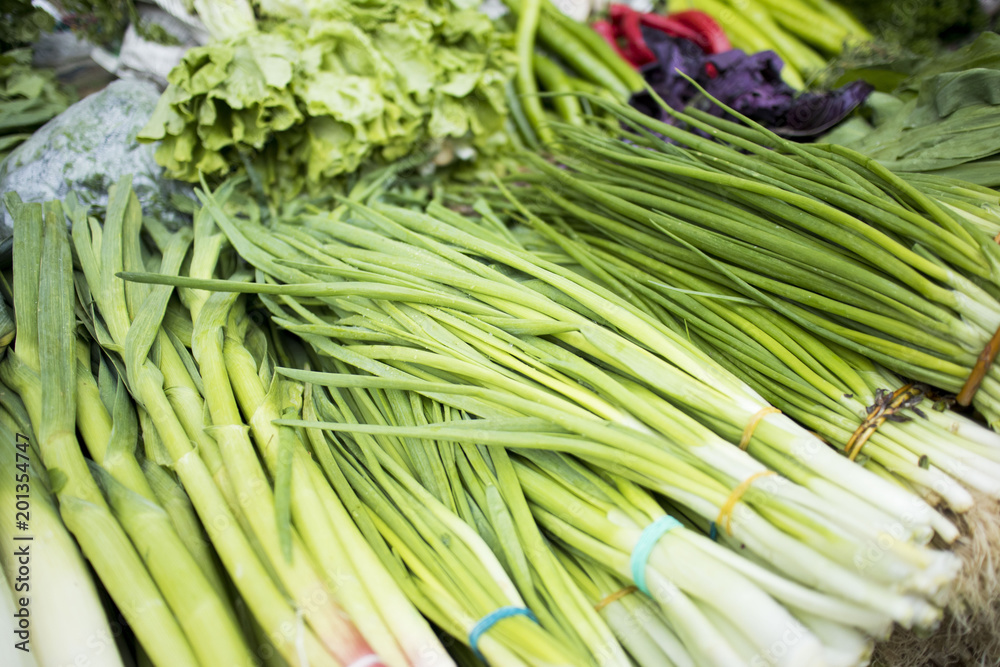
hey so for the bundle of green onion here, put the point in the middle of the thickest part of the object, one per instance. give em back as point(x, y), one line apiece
point(602, 515)
point(790, 292)
point(465, 547)
point(210, 552)
point(838, 244)
point(39, 368)
point(903, 435)
point(833, 391)
point(62, 593)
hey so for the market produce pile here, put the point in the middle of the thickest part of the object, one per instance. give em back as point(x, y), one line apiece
point(515, 341)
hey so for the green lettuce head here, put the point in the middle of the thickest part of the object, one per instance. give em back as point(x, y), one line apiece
point(305, 101)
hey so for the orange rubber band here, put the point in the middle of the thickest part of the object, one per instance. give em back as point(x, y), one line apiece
point(614, 597)
point(752, 424)
point(725, 518)
point(979, 371)
point(982, 367)
point(883, 410)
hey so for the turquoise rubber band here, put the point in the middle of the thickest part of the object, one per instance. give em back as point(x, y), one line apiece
point(644, 547)
point(490, 620)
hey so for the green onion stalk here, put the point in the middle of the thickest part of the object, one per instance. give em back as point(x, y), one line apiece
point(42, 370)
point(233, 348)
point(943, 456)
point(480, 487)
point(110, 427)
point(319, 634)
point(969, 456)
point(514, 342)
point(365, 589)
point(214, 631)
point(638, 239)
point(527, 88)
point(193, 589)
point(977, 204)
point(447, 569)
point(162, 524)
point(585, 63)
point(580, 48)
point(64, 607)
point(853, 252)
point(262, 505)
point(261, 519)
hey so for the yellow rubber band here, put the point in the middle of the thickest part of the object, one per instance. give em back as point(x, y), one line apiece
point(878, 416)
point(614, 597)
point(725, 518)
point(752, 424)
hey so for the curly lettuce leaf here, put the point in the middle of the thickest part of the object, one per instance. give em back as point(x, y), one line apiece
point(307, 101)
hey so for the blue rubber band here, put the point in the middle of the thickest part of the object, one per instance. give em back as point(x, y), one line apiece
point(490, 620)
point(713, 532)
point(644, 547)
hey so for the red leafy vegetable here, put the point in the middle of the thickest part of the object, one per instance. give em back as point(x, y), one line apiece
point(627, 21)
point(607, 31)
point(703, 24)
point(748, 83)
point(625, 32)
point(670, 26)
